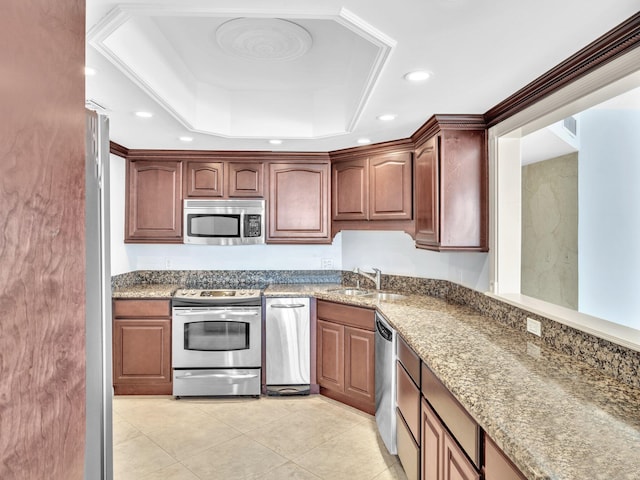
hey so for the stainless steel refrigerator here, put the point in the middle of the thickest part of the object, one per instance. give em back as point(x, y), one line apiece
point(99, 389)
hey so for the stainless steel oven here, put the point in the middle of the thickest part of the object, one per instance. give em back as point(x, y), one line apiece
point(217, 342)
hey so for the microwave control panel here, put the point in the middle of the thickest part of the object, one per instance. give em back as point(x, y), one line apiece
point(253, 225)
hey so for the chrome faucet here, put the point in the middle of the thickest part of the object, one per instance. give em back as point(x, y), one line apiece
point(375, 279)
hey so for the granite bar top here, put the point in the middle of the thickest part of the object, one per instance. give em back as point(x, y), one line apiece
point(554, 417)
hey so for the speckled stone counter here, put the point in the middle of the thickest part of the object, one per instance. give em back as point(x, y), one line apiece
point(145, 291)
point(554, 416)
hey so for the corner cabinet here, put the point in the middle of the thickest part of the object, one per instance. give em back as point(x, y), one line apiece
point(451, 184)
point(154, 201)
point(298, 202)
point(346, 354)
point(372, 187)
point(142, 347)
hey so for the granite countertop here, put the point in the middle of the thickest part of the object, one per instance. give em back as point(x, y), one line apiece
point(146, 291)
point(555, 417)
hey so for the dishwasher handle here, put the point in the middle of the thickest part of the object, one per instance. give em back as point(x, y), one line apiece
point(288, 305)
point(383, 330)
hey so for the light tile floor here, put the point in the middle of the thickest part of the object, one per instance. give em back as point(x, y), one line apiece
point(271, 438)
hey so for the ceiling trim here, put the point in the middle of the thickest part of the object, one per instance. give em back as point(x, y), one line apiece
point(120, 14)
point(608, 47)
point(217, 155)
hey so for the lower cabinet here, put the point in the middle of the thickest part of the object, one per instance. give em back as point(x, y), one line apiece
point(496, 465)
point(346, 354)
point(442, 458)
point(142, 347)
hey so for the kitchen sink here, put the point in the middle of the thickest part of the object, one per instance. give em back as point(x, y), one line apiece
point(386, 296)
point(350, 291)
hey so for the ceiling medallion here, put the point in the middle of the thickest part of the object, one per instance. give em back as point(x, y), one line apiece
point(263, 39)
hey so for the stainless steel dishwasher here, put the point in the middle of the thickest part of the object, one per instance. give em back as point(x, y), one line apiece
point(288, 346)
point(385, 345)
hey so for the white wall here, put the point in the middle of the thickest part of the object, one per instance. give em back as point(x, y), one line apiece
point(395, 253)
point(130, 257)
point(120, 261)
point(609, 215)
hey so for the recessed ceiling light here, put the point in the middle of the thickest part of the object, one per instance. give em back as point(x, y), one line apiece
point(185, 139)
point(364, 141)
point(387, 117)
point(144, 114)
point(417, 76)
point(275, 142)
point(88, 71)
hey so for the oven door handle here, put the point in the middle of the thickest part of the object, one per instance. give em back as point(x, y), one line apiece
point(290, 305)
point(233, 376)
point(195, 313)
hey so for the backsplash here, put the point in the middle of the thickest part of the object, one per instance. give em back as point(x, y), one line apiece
point(224, 278)
point(613, 360)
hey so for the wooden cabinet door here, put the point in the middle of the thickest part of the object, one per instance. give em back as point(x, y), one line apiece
point(350, 190)
point(442, 458)
point(154, 201)
point(204, 179)
point(246, 179)
point(432, 444)
point(330, 351)
point(298, 203)
point(496, 464)
point(427, 193)
point(142, 354)
point(390, 194)
point(456, 464)
point(359, 360)
point(463, 190)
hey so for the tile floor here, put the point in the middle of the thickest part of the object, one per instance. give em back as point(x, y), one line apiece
point(271, 438)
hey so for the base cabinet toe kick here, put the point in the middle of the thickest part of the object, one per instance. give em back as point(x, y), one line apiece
point(437, 438)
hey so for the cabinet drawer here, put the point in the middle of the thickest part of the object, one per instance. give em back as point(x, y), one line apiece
point(496, 465)
point(141, 308)
point(408, 399)
point(408, 450)
point(465, 430)
point(346, 315)
point(410, 361)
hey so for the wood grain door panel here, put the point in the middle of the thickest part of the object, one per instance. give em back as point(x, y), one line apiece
point(204, 179)
point(390, 193)
point(432, 444)
point(360, 364)
point(330, 353)
point(427, 193)
point(298, 203)
point(246, 179)
point(456, 465)
point(141, 351)
point(154, 206)
point(350, 190)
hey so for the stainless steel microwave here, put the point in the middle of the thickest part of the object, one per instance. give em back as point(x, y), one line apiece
point(224, 222)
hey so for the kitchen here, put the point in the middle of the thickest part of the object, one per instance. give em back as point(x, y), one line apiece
point(466, 269)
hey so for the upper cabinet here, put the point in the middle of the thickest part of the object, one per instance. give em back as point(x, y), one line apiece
point(298, 201)
point(205, 178)
point(154, 201)
point(246, 179)
point(451, 184)
point(373, 183)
